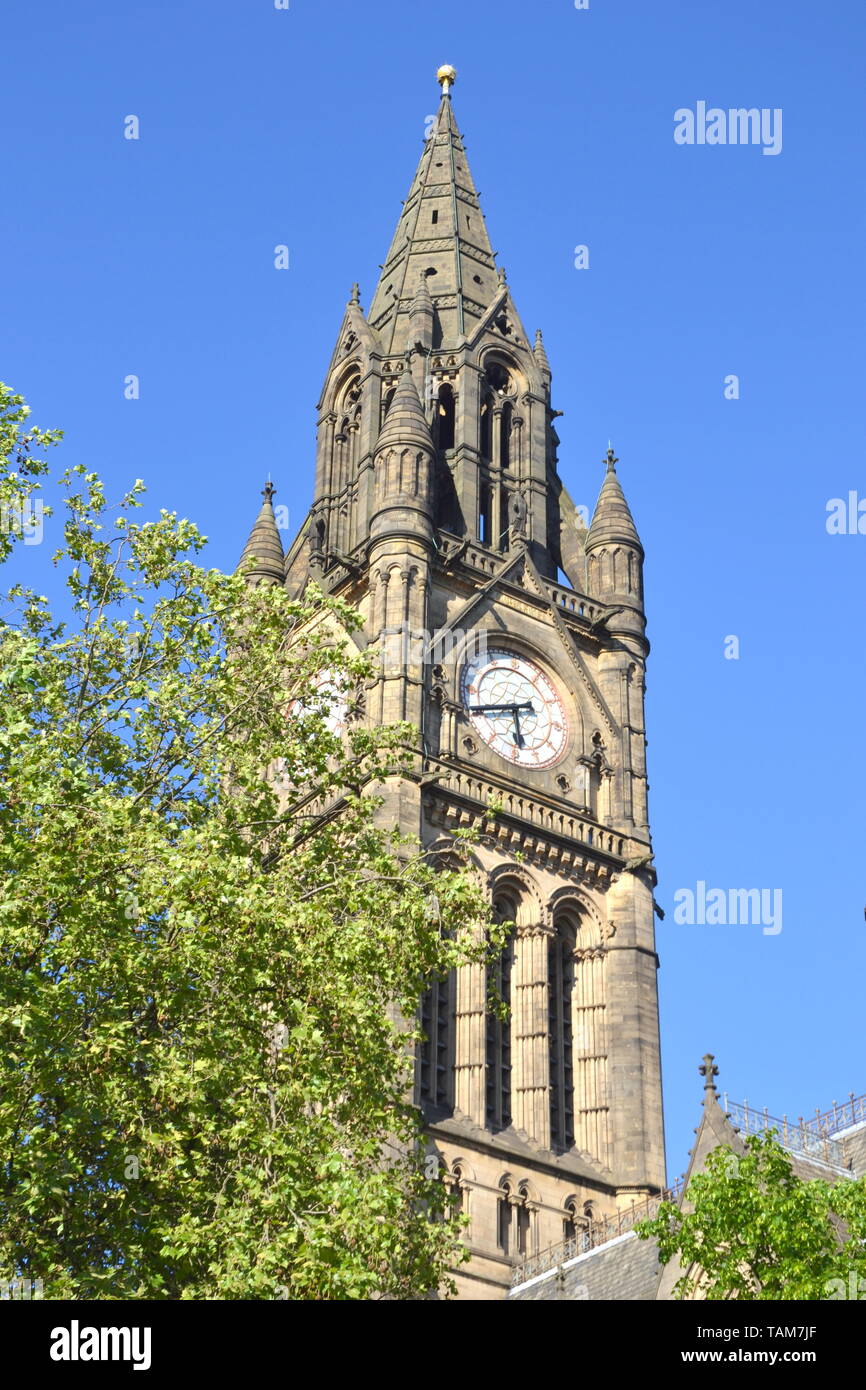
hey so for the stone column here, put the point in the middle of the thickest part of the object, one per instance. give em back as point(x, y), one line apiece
point(529, 1033)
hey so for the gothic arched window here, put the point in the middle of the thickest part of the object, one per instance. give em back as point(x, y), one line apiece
point(443, 418)
point(505, 421)
point(458, 1189)
point(497, 395)
point(437, 1012)
point(503, 1216)
point(560, 975)
point(524, 1221)
point(486, 433)
point(499, 1029)
point(485, 514)
point(569, 1220)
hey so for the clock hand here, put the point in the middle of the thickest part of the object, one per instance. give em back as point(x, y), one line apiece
point(514, 709)
point(518, 737)
point(506, 709)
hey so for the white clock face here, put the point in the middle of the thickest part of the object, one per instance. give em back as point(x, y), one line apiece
point(515, 708)
point(329, 702)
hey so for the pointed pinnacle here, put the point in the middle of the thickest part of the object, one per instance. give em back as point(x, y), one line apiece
point(612, 520)
point(405, 422)
point(539, 351)
point(709, 1071)
point(265, 544)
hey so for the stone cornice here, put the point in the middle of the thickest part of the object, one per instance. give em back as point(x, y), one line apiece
point(533, 826)
point(575, 1163)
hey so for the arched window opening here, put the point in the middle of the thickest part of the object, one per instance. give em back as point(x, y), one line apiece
point(505, 421)
point(498, 1106)
point(486, 438)
point(503, 1218)
point(485, 514)
point(348, 399)
point(505, 520)
point(524, 1221)
point(444, 417)
point(560, 965)
point(498, 378)
point(569, 1220)
point(458, 1189)
point(437, 1011)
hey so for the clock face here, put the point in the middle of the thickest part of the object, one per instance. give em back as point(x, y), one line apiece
point(329, 702)
point(515, 708)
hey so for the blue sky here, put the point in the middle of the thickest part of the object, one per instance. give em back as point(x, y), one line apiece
point(303, 126)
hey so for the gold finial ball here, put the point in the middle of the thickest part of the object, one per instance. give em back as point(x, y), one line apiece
point(446, 76)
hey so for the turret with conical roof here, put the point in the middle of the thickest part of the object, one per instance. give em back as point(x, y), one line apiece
point(265, 546)
point(614, 554)
point(403, 467)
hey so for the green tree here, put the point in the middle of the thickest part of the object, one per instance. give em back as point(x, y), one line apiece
point(204, 970)
point(755, 1230)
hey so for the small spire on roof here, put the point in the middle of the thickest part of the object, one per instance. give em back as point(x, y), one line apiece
point(265, 544)
point(539, 351)
point(446, 76)
point(355, 297)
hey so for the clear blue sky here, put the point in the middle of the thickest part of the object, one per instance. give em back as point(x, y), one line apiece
point(303, 127)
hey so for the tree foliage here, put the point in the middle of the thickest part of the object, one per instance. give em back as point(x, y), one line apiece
point(754, 1230)
point(206, 972)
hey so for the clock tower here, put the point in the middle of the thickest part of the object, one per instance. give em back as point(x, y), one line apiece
point(512, 637)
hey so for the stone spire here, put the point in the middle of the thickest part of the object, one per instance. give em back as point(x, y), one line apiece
point(540, 354)
point(265, 544)
point(405, 423)
point(612, 521)
point(441, 235)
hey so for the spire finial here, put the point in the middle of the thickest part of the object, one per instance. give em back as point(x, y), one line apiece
point(268, 490)
point(709, 1070)
point(502, 275)
point(355, 297)
point(610, 458)
point(446, 76)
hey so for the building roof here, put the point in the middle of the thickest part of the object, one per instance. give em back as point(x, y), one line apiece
point(624, 1267)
